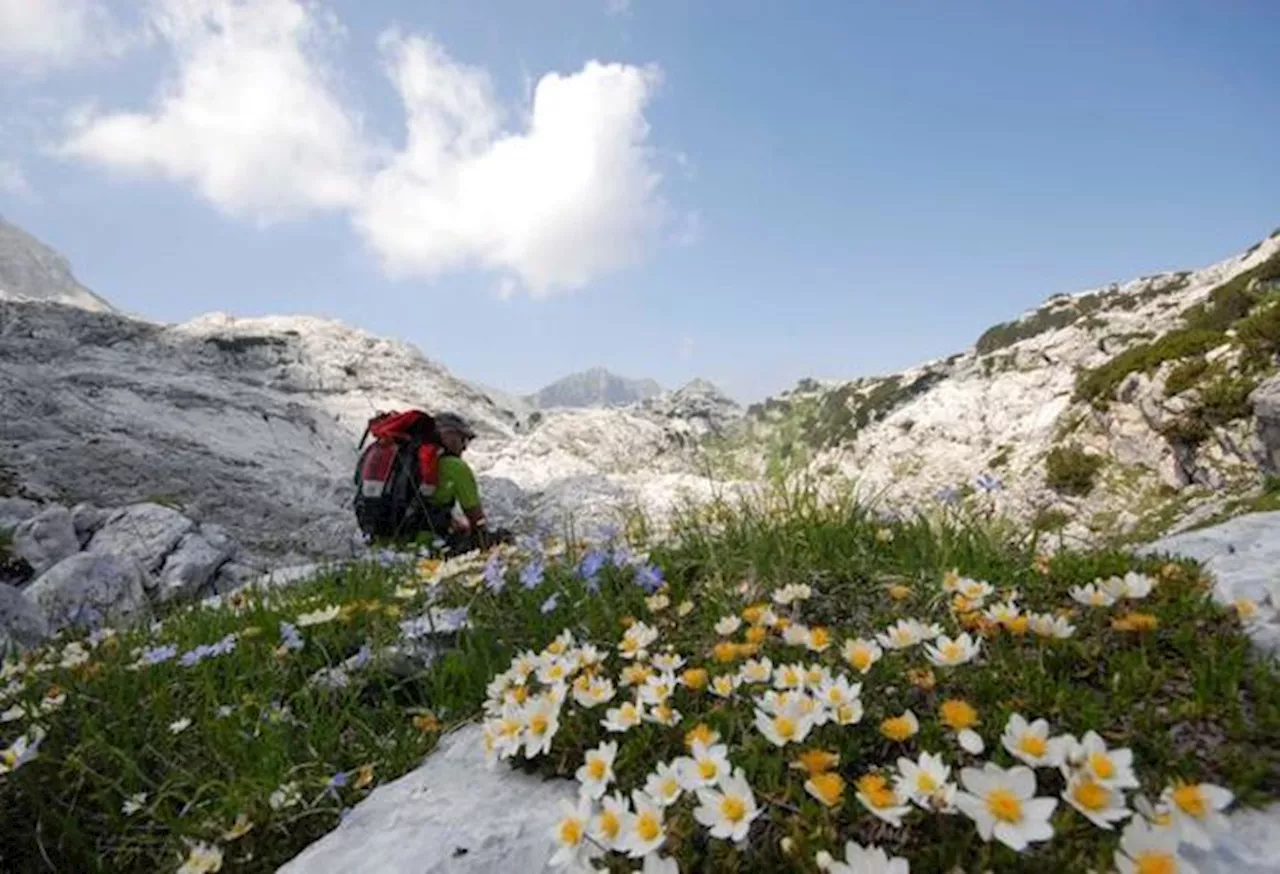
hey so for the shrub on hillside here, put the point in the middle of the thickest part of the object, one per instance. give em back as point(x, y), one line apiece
point(1184, 375)
point(1069, 470)
point(1098, 385)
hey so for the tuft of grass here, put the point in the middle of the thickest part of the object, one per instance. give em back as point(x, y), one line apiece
point(1188, 696)
point(1069, 470)
point(1099, 384)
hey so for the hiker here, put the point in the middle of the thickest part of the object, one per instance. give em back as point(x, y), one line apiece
point(411, 477)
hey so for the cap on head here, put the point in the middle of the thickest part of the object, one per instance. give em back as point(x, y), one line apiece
point(454, 422)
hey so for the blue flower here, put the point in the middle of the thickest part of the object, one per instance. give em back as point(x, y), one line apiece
point(289, 633)
point(622, 556)
point(648, 577)
point(948, 495)
point(495, 574)
point(550, 604)
point(157, 654)
point(531, 574)
point(592, 563)
point(361, 658)
point(988, 482)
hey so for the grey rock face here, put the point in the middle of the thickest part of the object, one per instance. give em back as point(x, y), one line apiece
point(596, 387)
point(87, 519)
point(30, 269)
point(46, 538)
point(22, 624)
point(192, 564)
point(146, 533)
point(1266, 407)
point(451, 815)
point(88, 588)
point(15, 510)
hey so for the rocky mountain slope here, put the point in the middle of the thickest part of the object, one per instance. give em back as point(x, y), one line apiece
point(596, 387)
point(1133, 409)
point(31, 270)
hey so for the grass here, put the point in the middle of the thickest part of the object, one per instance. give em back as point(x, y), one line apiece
point(1189, 696)
point(1069, 470)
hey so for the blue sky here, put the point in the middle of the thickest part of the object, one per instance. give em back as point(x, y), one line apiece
point(753, 192)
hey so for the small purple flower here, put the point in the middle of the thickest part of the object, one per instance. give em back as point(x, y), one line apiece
point(988, 482)
point(531, 574)
point(289, 634)
point(948, 495)
point(608, 532)
point(361, 658)
point(336, 782)
point(648, 577)
point(592, 563)
point(550, 604)
point(495, 575)
point(157, 654)
point(622, 556)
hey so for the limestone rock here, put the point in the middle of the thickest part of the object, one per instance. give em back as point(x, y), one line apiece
point(192, 563)
point(450, 815)
point(1266, 408)
point(22, 625)
point(46, 538)
point(14, 511)
point(89, 588)
point(87, 519)
point(144, 532)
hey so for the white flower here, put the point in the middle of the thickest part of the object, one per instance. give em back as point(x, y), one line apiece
point(729, 811)
point(73, 655)
point(1195, 810)
point(790, 676)
point(727, 625)
point(134, 803)
point(202, 859)
point(609, 825)
point(645, 830)
point(1030, 742)
point(1093, 596)
point(636, 639)
point(624, 717)
point(180, 725)
point(723, 685)
point(668, 661)
point(556, 670)
point(1112, 768)
point(863, 860)
point(880, 798)
point(1002, 804)
point(541, 722)
point(1102, 805)
point(318, 617)
point(787, 724)
point(665, 784)
point(906, 633)
point(754, 671)
point(570, 833)
point(596, 771)
point(597, 691)
point(976, 591)
point(794, 592)
point(796, 634)
point(862, 654)
point(840, 700)
point(1136, 585)
point(1003, 613)
point(1144, 849)
point(655, 864)
point(949, 651)
point(14, 713)
point(657, 688)
point(970, 741)
point(708, 766)
point(287, 795)
point(1048, 625)
point(924, 782)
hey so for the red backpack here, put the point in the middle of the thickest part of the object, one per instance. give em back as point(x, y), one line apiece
point(396, 472)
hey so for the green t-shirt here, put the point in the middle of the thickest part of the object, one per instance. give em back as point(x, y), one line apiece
point(456, 483)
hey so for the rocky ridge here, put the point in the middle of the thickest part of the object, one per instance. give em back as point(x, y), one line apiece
point(1141, 407)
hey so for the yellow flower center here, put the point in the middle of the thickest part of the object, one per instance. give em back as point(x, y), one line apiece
point(819, 637)
point(733, 808)
point(1191, 800)
point(1017, 625)
point(724, 685)
point(10, 758)
point(1033, 745)
point(1154, 862)
point(1090, 795)
point(1004, 805)
point(708, 769)
point(1102, 765)
point(958, 714)
point(695, 678)
point(700, 732)
point(898, 728)
point(609, 824)
point(784, 726)
point(556, 647)
point(596, 769)
point(570, 832)
point(952, 651)
point(538, 723)
point(670, 786)
point(873, 786)
point(555, 672)
point(520, 694)
point(861, 658)
point(648, 827)
point(926, 783)
point(845, 713)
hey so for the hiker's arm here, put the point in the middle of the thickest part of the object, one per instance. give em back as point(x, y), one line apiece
point(468, 497)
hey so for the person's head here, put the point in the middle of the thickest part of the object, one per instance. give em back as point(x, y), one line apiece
point(455, 433)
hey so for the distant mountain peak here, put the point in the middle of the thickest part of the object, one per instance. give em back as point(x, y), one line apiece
point(594, 387)
point(32, 270)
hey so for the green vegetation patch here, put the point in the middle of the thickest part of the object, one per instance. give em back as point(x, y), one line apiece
point(817, 652)
point(1069, 470)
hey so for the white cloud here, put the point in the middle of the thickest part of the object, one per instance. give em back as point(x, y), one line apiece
point(251, 121)
point(39, 35)
point(13, 180)
point(572, 196)
point(548, 197)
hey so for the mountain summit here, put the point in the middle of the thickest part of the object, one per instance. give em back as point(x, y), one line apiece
point(31, 270)
point(596, 387)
